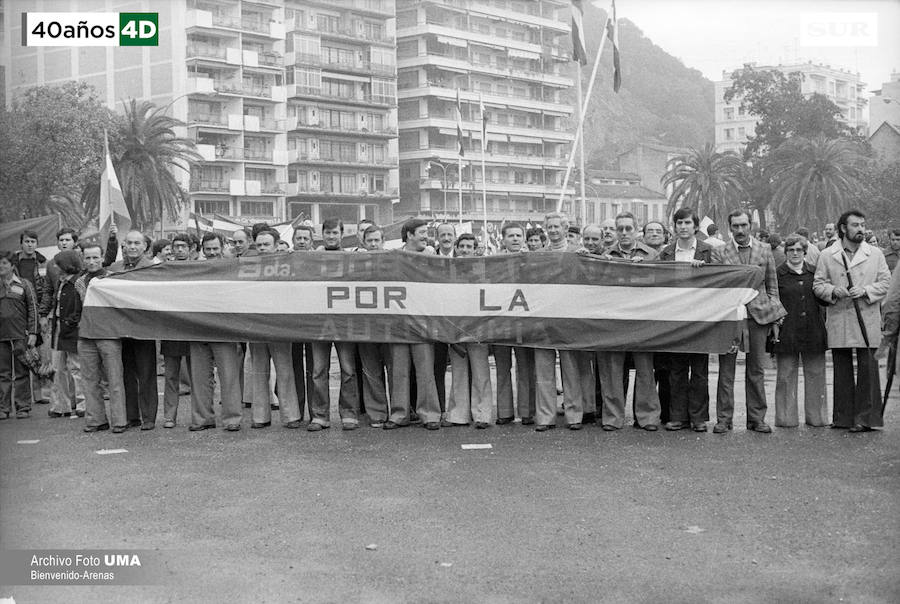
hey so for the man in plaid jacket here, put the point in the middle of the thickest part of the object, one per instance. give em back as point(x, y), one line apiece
point(762, 311)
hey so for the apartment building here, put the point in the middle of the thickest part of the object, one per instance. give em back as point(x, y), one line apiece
point(292, 104)
point(512, 55)
point(734, 125)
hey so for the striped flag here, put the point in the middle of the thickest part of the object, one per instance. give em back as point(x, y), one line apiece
point(545, 300)
point(579, 48)
point(459, 130)
point(484, 123)
point(612, 32)
point(112, 202)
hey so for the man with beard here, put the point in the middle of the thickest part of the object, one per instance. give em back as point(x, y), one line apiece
point(852, 277)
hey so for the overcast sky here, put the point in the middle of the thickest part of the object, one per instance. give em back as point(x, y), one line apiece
point(712, 35)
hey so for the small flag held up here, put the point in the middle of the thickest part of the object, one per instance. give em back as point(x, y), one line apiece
point(459, 131)
point(112, 202)
point(612, 32)
point(579, 48)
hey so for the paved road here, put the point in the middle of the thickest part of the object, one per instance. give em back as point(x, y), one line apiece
point(275, 515)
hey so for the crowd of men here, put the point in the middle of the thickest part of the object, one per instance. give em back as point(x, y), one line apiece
point(112, 383)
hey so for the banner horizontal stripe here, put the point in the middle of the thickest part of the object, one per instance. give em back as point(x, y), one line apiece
point(396, 298)
point(575, 334)
point(531, 267)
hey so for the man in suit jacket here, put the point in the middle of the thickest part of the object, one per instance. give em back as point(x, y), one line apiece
point(763, 310)
point(688, 372)
point(857, 402)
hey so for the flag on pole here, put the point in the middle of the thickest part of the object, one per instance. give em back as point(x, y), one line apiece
point(459, 132)
point(112, 202)
point(579, 48)
point(484, 122)
point(612, 32)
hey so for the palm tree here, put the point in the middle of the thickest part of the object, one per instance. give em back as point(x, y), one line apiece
point(814, 180)
point(152, 154)
point(710, 182)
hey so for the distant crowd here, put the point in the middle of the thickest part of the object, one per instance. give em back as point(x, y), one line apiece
point(834, 295)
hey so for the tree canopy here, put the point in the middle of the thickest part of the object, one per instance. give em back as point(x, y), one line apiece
point(53, 139)
point(710, 182)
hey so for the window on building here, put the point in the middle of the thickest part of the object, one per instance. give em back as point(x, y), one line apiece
point(212, 206)
point(729, 113)
point(304, 211)
point(742, 133)
point(257, 208)
point(729, 134)
point(349, 213)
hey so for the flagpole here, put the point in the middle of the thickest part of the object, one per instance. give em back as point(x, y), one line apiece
point(580, 136)
point(583, 112)
point(483, 171)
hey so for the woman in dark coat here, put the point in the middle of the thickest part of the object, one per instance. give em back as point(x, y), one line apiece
point(65, 315)
point(802, 338)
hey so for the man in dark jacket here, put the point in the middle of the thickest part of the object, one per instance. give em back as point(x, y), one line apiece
point(688, 372)
point(18, 329)
point(30, 265)
point(138, 356)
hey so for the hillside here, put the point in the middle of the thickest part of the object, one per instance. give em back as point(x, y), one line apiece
point(660, 98)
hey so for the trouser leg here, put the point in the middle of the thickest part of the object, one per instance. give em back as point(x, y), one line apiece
point(698, 400)
point(611, 367)
point(844, 387)
point(459, 403)
point(679, 368)
point(503, 364)
point(576, 385)
point(427, 403)
point(725, 389)
point(202, 384)
point(646, 399)
point(815, 401)
point(320, 405)
point(227, 356)
point(297, 356)
point(786, 389)
point(111, 364)
point(526, 390)
point(755, 376)
point(867, 402)
point(94, 409)
point(441, 352)
point(480, 396)
point(348, 398)
point(172, 385)
point(400, 367)
point(545, 385)
point(63, 399)
point(261, 370)
point(286, 388)
point(661, 368)
point(371, 357)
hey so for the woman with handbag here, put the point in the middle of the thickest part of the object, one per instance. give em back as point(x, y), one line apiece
point(801, 340)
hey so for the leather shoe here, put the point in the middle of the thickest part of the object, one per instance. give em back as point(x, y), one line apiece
point(527, 421)
point(58, 414)
point(699, 427)
point(609, 428)
point(861, 428)
point(721, 428)
point(389, 425)
point(481, 425)
point(293, 425)
point(119, 429)
point(134, 423)
point(432, 425)
point(675, 426)
point(232, 427)
point(96, 428)
point(200, 428)
point(169, 423)
point(315, 427)
point(762, 427)
point(349, 426)
point(21, 414)
point(504, 420)
point(148, 426)
point(575, 426)
point(261, 424)
point(543, 427)
point(650, 427)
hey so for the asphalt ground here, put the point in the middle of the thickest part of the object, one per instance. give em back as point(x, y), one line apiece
point(277, 515)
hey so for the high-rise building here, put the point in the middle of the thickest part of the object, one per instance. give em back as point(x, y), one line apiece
point(513, 56)
point(734, 125)
point(292, 104)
